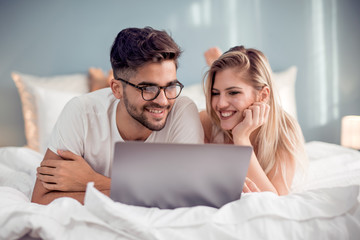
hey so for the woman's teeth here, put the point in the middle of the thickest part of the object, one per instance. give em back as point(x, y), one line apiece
point(226, 114)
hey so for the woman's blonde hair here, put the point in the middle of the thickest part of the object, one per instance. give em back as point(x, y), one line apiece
point(281, 132)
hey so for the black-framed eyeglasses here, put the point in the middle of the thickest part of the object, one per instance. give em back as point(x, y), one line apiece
point(150, 92)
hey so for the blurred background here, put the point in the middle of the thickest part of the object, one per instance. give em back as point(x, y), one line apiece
point(320, 37)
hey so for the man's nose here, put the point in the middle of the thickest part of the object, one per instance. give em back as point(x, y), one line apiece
point(161, 99)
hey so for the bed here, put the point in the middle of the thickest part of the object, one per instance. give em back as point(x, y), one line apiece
point(327, 206)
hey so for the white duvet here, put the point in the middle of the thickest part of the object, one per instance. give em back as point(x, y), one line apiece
point(328, 208)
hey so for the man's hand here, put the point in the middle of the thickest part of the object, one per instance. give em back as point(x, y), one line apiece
point(71, 174)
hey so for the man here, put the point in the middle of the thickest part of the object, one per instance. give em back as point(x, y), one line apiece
point(140, 105)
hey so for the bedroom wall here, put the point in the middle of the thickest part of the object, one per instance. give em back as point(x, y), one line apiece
point(320, 37)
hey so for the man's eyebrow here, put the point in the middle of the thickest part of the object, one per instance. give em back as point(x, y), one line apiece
point(154, 84)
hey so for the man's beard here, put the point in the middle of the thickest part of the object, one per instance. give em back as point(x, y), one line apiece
point(141, 118)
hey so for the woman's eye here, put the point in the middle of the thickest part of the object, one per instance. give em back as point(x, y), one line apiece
point(214, 93)
point(234, 93)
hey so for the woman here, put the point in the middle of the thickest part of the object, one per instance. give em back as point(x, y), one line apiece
point(243, 109)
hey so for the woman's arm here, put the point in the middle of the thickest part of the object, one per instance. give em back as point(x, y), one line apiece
point(275, 181)
point(280, 182)
point(254, 117)
point(255, 171)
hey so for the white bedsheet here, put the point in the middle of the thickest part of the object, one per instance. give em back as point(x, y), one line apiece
point(329, 207)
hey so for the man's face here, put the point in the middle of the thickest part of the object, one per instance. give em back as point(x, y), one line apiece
point(151, 114)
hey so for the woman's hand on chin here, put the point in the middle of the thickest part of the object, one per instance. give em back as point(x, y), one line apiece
point(254, 116)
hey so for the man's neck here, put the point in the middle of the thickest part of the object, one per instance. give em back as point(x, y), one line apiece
point(128, 128)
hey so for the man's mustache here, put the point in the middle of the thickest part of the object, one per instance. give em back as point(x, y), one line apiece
point(155, 105)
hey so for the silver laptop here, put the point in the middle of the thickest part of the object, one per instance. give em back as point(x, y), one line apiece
point(169, 176)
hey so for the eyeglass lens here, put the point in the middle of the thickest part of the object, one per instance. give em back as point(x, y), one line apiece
point(151, 92)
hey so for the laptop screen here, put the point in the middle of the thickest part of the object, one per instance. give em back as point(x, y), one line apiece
point(169, 176)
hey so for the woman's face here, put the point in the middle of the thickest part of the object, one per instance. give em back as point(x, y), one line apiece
point(231, 95)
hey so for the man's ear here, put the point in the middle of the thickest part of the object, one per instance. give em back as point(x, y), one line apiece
point(117, 88)
point(264, 94)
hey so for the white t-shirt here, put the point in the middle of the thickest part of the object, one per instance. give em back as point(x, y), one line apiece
point(87, 127)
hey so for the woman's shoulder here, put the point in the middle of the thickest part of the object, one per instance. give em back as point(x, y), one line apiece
point(204, 117)
point(207, 125)
point(212, 133)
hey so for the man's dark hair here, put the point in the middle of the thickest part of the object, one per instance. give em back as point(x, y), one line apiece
point(134, 47)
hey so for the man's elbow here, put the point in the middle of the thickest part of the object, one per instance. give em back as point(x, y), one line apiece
point(39, 194)
point(41, 198)
point(48, 197)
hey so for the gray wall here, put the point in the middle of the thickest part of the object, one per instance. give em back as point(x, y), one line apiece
point(320, 37)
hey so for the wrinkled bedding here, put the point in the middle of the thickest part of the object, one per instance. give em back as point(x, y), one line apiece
point(327, 208)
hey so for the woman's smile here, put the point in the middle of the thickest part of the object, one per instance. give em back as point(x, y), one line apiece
point(224, 115)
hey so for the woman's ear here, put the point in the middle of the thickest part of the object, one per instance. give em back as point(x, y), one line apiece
point(117, 88)
point(264, 94)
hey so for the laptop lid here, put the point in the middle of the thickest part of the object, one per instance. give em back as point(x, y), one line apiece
point(169, 176)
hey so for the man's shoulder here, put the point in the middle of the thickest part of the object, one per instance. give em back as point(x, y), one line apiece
point(97, 101)
point(183, 106)
point(98, 94)
point(183, 101)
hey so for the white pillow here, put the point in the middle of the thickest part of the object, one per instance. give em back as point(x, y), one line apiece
point(196, 93)
point(49, 104)
point(47, 96)
point(284, 82)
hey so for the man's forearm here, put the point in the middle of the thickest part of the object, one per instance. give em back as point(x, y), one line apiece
point(44, 196)
point(52, 195)
point(66, 176)
point(102, 183)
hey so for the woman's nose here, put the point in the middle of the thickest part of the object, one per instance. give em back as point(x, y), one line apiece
point(222, 102)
